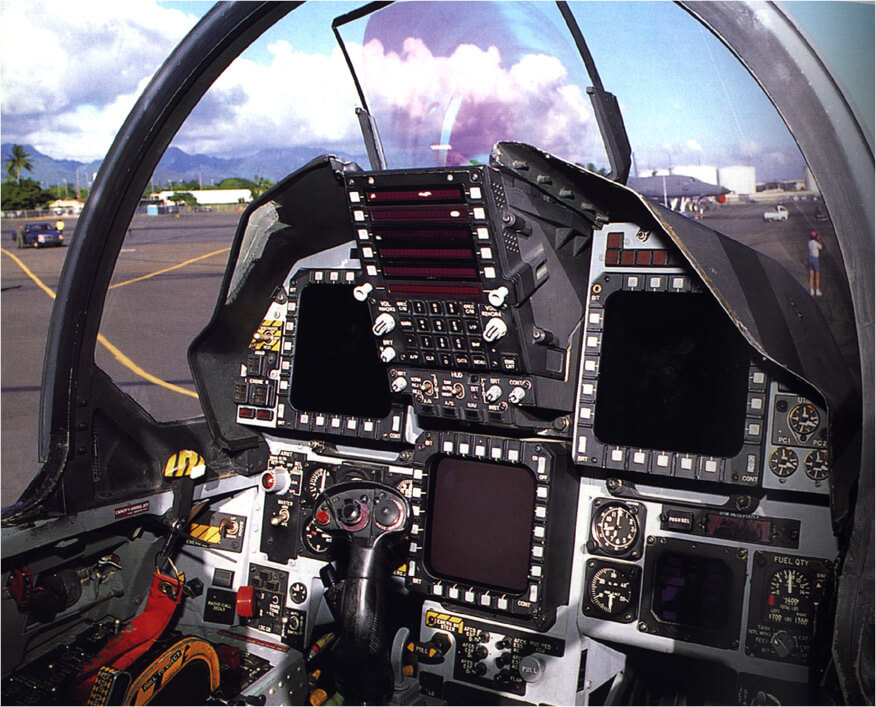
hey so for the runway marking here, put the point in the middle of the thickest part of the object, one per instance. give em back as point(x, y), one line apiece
point(114, 350)
point(172, 267)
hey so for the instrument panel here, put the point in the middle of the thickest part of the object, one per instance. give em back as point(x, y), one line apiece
point(678, 471)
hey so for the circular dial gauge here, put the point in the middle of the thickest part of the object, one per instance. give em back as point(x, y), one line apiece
point(315, 539)
point(404, 487)
point(610, 591)
point(804, 419)
point(616, 528)
point(789, 601)
point(816, 465)
point(318, 480)
point(783, 461)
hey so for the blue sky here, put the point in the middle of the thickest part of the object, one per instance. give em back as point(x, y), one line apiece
point(685, 100)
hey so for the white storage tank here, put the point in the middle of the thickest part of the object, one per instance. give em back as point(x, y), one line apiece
point(740, 179)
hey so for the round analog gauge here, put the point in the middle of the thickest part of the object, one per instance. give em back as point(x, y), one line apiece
point(616, 528)
point(315, 539)
point(610, 591)
point(804, 419)
point(318, 480)
point(789, 601)
point(816, 465)
point(404, 487)
point(783, 462)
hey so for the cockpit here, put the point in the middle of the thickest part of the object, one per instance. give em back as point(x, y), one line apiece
point(479, 423)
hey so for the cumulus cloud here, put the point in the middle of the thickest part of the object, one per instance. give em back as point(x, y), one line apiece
point(95, 57)
point(295, 98)
point(71, 71)
point(470, 99)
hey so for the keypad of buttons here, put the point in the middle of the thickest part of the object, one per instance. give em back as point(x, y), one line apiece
point(448, 334)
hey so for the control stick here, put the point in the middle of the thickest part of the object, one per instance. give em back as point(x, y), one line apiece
point(369, 516)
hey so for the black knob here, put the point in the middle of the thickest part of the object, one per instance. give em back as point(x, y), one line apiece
point(387, 513)
point(480, 653)
point(350, 512)
point(480, 670)
point(503, 660)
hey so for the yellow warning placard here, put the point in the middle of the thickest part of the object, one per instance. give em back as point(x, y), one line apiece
point(184, 463)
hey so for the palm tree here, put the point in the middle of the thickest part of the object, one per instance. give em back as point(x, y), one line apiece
point(18, 161)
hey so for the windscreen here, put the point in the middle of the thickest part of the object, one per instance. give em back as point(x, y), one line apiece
point(447, 80)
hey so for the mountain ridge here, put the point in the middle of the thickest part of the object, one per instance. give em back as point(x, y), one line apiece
point(177, 165)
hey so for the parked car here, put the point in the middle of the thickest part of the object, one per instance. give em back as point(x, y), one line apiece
point(777, 213)
point(38, 235)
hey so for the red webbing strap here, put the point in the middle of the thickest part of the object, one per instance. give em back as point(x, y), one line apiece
point(137, 637)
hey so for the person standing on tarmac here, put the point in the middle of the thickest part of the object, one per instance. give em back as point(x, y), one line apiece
point(814, 260)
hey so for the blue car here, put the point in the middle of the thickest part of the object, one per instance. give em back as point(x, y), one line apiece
point(38, 235)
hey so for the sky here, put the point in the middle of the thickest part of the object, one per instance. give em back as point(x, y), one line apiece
point(684, 99)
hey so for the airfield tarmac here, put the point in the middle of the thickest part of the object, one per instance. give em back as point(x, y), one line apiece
point(164, 291)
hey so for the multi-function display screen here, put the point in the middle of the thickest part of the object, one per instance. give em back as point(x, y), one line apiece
point(336, 368)
point(480, 523)
point(673, 375)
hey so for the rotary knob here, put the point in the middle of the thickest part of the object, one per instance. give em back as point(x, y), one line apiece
point(495, 329)
point(360, 293)
point(493, 393)
point(383, 324)
point(517, 394)
point(387, 354)
point(497, 297)
point(398, 384)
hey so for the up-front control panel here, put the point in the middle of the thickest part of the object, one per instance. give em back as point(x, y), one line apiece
point(659, 350)
point(442, 301)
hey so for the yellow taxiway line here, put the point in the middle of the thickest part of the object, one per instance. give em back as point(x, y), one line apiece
point(172, 267)
point(114, 350)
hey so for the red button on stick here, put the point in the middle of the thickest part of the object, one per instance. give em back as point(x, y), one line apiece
point(322, 517)
point(246, 601)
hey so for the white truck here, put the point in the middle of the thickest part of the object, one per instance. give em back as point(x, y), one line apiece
point(777, 213)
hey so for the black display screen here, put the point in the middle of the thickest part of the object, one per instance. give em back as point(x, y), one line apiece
point(692, 590)
point(673, 375)
point(480, 523)
point(336, 368)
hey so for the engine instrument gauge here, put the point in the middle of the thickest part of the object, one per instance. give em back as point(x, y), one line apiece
point(610, 591)
point(404, 487)
point(616, 528)
point(804, 419)
point(315, 540)
point(783, 462)
point(318, 480)
point(816, 465)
